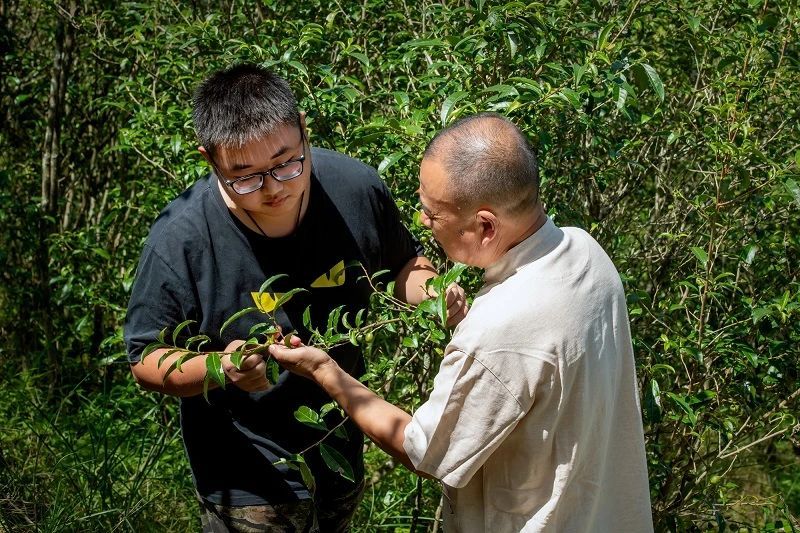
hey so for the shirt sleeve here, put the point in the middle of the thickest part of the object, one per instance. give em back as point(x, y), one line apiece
point(158, 300)
point(398, 245)
point(469, 414)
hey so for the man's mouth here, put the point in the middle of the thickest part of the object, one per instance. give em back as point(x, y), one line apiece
point(276, 201)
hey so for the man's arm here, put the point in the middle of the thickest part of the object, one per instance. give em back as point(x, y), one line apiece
point(410, 287)
point(250, 376)
point(381, 421)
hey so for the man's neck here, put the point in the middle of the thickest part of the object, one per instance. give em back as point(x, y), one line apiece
point(517, 230)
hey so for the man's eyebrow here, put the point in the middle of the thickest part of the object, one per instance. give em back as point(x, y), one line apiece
point(425, 209)
point(244, 166)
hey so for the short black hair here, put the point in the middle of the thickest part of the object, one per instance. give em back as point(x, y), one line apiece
point(240, 104)
point(488, 159)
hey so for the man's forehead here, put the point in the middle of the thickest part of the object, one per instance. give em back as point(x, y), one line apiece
point(433, 181)
point(283, 139)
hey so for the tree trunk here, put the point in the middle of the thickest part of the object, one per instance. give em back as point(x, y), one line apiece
point(51, 179)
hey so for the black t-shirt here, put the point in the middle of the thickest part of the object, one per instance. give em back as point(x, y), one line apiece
point(201, 263)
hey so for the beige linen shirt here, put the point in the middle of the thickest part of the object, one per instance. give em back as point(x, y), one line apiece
point(534, 421)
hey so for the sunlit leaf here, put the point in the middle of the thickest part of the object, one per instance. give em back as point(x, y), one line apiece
point(390, 160)
point(214, 369)
point(700, 254)
point(449, 102)
point(309, 417)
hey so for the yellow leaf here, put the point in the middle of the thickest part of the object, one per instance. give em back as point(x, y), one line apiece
point(266, 303)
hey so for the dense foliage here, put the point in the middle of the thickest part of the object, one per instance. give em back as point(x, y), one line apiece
point(669, 130)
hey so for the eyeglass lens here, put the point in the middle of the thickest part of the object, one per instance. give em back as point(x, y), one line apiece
point(253, 183)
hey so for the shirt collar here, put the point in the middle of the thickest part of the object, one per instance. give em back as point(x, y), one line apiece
point(534, 247)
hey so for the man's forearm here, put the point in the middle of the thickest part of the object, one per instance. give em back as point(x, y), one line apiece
point(381, 421)
point(186, 382)
point(409, 285)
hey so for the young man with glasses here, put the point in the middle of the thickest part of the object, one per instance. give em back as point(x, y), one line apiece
point(273, 205)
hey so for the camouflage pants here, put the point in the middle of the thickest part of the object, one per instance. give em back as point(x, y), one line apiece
point(331, 515)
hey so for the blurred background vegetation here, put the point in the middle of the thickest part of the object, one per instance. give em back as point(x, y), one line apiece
point(669, 130)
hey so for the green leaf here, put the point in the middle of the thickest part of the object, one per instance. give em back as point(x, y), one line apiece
point(297, 462)
point(685, 407)
point(236, 359)
point(700, 254)
point(390, 160)
point(760, 312)
point(176, 365)
point(411, 341)
point(177, 331)
point(309, 417)
point(263, 328)
point(571, 97)
point(654, 79)
point(362, 58)
point(449, 102)
point(286, 297)
point(327, 408)
point(152, 347)
point(453, 274)
point(199, 339)
point(305, 472)
point(441, 300)
point(267, 284)
point(577, 73)
point(621, 96)
point(336, 462)
point(428, 306)
point(662, 366)
point(793, 188)
point(214, 369)
point(511, 41)
point(102, 253)
point(273, 370)
point(236, 316)
point(299, 67)
point(423, 43)
point(167, 354)
point(602, 39)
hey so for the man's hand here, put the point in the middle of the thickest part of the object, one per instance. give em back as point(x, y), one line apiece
point(381, 421)
point(251, 376)
point(456, 304)
point(300, 359)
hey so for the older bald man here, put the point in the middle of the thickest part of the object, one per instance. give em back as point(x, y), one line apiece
point(534, 420)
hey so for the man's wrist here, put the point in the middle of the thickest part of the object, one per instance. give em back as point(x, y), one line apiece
point(326, 375)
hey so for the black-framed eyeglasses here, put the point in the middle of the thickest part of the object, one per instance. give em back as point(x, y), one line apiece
point(283, 172)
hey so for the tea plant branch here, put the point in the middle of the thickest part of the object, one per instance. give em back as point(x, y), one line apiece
point(154, 163)
point(328, 434)
point(762, 439)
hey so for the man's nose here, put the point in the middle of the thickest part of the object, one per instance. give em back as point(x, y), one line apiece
point(271, 186)
point(424, 219)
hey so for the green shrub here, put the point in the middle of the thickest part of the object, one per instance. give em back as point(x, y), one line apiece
point(667, 130)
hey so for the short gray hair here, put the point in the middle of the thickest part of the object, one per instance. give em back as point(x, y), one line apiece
point(488, 159)
point(241, 104)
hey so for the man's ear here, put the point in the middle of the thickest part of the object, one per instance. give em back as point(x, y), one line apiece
point(488, 226)
point(205, 154)
point(303, 121)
